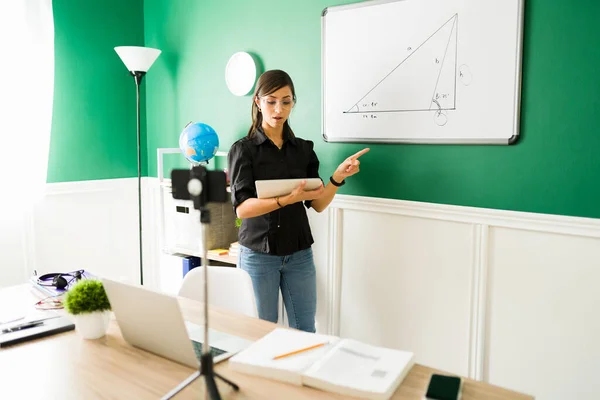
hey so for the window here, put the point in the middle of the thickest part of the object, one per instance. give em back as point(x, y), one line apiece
point(26, 93)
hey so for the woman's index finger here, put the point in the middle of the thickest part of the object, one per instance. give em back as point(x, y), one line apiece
point(360, 153)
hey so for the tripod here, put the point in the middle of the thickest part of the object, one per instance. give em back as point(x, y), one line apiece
point(201, 197)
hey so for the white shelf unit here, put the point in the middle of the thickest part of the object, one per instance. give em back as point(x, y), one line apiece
point(180, 232)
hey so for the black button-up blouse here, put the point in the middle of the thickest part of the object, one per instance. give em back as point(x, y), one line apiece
point(286, 230)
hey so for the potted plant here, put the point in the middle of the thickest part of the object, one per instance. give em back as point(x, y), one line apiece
point(87, 302)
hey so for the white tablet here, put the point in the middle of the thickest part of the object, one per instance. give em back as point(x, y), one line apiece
point(266, 189)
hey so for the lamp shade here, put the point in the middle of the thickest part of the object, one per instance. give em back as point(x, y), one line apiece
point(137, 58)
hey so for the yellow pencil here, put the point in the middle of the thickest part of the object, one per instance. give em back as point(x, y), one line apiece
point(300, 351)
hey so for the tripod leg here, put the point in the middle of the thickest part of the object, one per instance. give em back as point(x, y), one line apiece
point(233, 385)
point(211, 388)
point(182, 385)
point(207, 369)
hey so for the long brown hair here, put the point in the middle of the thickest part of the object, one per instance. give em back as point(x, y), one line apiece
point(267, 83)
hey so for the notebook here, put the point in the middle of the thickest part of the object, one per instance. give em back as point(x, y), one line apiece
point(266, 189)
point(343, 366)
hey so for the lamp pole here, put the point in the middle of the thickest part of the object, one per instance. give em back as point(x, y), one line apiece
point(138, 60)
point(138, 75)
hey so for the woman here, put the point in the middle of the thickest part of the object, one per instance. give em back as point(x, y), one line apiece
point(275, 238)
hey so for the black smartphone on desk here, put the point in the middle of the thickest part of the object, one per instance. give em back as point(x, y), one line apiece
point(443, 387)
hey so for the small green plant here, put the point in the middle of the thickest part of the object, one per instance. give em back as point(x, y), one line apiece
point(86, 296)
point(238, 222)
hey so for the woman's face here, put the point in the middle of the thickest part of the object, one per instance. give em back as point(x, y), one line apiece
point(276, 107)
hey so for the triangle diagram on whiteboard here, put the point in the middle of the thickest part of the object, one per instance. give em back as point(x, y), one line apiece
point(425, 80)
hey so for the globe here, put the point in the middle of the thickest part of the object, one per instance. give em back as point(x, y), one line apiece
point(198, 142)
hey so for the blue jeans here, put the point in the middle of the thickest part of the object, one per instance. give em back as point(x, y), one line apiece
point(296, 276)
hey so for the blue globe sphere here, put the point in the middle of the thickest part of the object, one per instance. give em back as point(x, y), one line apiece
point(198, 142)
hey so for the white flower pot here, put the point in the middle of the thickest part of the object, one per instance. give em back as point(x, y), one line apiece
point(92, 325)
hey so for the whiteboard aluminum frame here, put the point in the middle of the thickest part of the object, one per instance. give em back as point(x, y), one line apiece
point(517, 93)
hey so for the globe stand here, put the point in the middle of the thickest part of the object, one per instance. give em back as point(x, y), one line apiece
point(202, 186)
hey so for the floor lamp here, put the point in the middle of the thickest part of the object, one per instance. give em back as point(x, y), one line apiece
point(138, 61)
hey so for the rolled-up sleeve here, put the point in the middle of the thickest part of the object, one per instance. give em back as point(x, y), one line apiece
point(312, 170)
point(239, 163)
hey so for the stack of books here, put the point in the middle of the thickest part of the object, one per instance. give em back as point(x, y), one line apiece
point(234, 249)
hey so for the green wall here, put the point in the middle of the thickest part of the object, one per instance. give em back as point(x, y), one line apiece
point(554, 168)
point(94, 117)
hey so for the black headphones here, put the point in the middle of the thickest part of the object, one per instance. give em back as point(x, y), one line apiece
point(58, 280)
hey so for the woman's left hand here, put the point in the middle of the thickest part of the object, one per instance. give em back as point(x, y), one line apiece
point(350, 166)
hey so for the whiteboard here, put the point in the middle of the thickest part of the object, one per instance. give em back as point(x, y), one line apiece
point(422, 71)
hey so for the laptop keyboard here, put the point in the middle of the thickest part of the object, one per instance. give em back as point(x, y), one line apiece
point(214, 351)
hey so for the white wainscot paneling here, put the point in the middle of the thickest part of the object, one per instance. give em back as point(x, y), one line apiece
point(13, 245)
point(406, 284)
point(501, 296)
point(90, 225)
point(543, 325)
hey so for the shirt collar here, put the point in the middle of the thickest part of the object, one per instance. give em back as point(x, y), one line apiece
point(260, 137)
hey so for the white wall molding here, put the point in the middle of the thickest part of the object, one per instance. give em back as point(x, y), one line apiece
point(334, 272)
point(565, 225)
point(479, 303)
point(100, 185)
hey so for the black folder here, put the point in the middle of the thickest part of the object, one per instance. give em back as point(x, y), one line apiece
point(48, 327)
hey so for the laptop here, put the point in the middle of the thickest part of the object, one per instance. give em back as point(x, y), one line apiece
point(266, 189)
point(153, 321)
